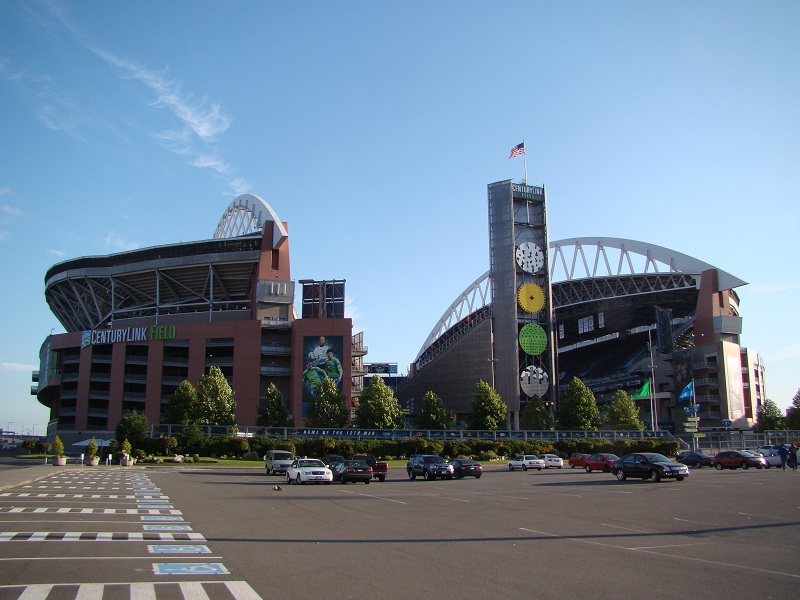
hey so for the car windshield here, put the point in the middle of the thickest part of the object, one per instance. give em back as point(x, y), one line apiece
point(610, 456)
point(355, 463)
point(658, 458)
point(748, 453)
point(282, 456)
point(434, 460)
point(310, 463)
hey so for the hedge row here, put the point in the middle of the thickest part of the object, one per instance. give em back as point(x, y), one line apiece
point(226, 446)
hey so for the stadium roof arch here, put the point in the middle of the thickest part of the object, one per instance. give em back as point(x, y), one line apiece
point(626, 266)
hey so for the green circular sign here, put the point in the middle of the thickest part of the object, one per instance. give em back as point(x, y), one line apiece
point(532, 339)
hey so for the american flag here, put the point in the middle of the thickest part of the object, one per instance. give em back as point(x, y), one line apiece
point(517, 150)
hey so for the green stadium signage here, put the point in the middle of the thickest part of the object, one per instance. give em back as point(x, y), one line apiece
point(127, 334)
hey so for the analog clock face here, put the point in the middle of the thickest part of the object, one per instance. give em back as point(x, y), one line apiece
point(532, 339)
point(534, 381)
point(530, 257)
point(531, 297)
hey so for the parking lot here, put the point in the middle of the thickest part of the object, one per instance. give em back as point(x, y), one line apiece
point(553, 533)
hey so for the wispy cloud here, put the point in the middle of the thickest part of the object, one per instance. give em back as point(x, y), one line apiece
point(10, 211)
point(5, 191)
point(16, 367)
point(58, 109)
point(118, 243)
point(59, 253)
point(772, 288)
point(790, 353)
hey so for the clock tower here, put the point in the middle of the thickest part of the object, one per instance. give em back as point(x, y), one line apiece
point(523, 353)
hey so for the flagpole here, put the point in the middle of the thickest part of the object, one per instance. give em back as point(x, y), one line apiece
point(525, 161)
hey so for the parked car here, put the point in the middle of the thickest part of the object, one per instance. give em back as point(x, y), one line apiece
point(578, 460)
point(648, 465)
point(525, 462)
point(600, 462)
point(304, 470)
point(331, 459)
point(429, 466)
point(773, 458)
point(276, 461)
point(352, 470)
point(380, 469)
point(695, 459)
point(552, 461)
point(765, 450)
point(733, 459)
point(466, 467)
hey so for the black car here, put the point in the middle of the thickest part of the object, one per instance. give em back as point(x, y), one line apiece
point(695, 459)
point(331, 459)
point(649, 465)
point(466, 467)
point(352, 470)
point(429, 466)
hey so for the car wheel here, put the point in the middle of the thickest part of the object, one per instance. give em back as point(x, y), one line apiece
point(510, 467)
point(558, 467)
point(268, 473)
point(426, 476)
point(524, 467)
point(654, 476)
point(606, 469)
point(298, 480)
point(366, 481)
point(621, 475)
point(288, 479)
point(539, 469)
point(477, 476)
point(588, 469)
point(768, 465)
point(745, 465)
point(679, 478)
point(572, 465)
point(449, 477)
point(411, 475)
point(381, 478)
point(718, 466)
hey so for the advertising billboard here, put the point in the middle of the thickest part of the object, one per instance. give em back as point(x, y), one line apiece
point(323, 360)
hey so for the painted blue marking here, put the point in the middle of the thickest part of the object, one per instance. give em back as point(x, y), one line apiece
point(177, 549)
point(166, 528)
point(190, 569)
point(154, 506)
point(160, 518)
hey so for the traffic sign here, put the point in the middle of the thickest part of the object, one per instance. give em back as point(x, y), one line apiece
point(699, 435)
point(726, 422)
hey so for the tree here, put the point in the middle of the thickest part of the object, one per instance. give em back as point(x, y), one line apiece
point(133, 427)
point(58, 447)
point(328, 408)
point(488, 411)
point(535, 416)
point(577, 409)
point(191, 437)
point(793, 413)
point(273, 413)
point(378, 408)
point(433, 414)
point(216, 402)
point(769, 417)
point(622, 413)
point(184, 403)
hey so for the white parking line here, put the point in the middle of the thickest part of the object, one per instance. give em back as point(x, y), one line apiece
point(372, 496)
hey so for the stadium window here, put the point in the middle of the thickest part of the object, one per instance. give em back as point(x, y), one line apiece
point(601, 320)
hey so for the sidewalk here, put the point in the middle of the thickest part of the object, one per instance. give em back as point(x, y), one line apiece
point(13, 476)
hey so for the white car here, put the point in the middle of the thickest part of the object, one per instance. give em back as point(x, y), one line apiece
point(528, 461)
point(773, 458)
point(552, 461)
point(304, 470)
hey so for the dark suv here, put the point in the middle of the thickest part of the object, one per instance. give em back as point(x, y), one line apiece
point(429, 466)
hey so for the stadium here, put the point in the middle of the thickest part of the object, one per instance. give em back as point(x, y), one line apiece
point(615, 313)
point(139, 323)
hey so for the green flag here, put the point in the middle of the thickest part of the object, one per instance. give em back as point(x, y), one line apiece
point(642, 393)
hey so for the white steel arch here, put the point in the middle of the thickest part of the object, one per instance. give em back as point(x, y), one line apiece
point(249, 213)
point(568, 261)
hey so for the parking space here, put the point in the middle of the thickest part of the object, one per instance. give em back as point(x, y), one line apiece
point(82, 531)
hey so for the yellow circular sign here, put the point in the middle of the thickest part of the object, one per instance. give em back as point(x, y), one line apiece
point(531, 297)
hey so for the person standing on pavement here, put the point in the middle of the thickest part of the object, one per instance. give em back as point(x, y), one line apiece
point(784, 454)
point(793, 457)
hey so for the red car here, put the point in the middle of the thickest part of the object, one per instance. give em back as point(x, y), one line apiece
point(577, 460)
point(731, 459)
point(600, 462)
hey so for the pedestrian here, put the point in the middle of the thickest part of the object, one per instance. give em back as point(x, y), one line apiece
point(784, 454)
point(793, 457)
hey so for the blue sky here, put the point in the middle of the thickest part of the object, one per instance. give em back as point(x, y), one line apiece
point(374, 129)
